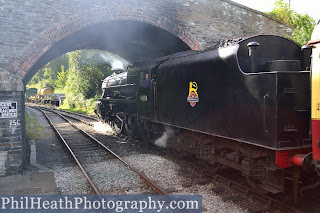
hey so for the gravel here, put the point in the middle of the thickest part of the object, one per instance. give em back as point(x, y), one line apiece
point(52, 154)
point(71, 181)
point(173, 175)
point(113, 177)
point(50, 151)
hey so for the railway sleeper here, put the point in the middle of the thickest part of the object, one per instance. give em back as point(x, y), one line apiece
point(254, 163)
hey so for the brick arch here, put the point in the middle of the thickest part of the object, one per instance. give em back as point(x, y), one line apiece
point(21, 65)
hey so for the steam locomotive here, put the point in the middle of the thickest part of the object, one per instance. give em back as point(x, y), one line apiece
point(246, 106)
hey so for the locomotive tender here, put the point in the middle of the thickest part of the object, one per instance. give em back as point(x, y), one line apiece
point(245, 106)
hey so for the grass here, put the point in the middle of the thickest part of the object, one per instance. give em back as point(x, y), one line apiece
point(79, 105)
point(33, 127)
point(76, 110)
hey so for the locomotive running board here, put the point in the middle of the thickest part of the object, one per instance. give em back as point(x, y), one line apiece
point(116, 100)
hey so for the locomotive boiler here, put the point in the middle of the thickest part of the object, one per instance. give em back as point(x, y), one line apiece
point(244, 106)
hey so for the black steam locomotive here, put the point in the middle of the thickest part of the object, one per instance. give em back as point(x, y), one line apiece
point(245, 106)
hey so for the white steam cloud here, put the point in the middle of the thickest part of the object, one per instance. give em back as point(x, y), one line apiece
point(117, 65)
point(163, 140)
point(104, 128)
point(115, 61)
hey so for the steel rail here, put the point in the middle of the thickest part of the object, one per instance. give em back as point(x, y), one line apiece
point(70, 116)
point(271, 202)
point(149, 182)
point(73, 155)
point(79, 114)
point(65, 111)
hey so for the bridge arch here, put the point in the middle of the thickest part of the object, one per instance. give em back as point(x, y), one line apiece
point(105, 29)
point(35, 32)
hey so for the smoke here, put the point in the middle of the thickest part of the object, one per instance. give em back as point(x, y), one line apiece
point(117, 65)
point(163, 140)
point(115, 61)
point(104, 128)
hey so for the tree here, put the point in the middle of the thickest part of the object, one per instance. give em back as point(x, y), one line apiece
point(303, 24)
point(85, 73)
point(48, 74)
point(60, 82)
point(78, 74)
point(304, 27)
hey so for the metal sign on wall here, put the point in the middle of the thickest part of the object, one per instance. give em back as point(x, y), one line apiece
point(8, 109)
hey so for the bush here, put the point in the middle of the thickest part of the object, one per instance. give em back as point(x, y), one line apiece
point(303, 24)
point(79, 104)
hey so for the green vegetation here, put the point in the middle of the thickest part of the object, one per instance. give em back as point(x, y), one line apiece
point(303, 24)
point(81, 111)
point(30, 92)
point(78, 75)
point(47, 76)
point(82, 83)
point(32, 127)
point(79, 104)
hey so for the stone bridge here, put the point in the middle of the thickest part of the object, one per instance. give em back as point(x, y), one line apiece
point(33, 32)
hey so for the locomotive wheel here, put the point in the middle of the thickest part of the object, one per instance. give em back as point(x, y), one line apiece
point(146, 132)
point(129, 126)
point(254, 185)
point(142, 133)
point(146, 136)
point(116, 125)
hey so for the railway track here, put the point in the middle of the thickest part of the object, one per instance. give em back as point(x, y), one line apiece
point(87, 119)
point(270, 202)
point(86, 150)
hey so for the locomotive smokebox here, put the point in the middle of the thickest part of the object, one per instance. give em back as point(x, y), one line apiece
point(117, 85)
point(252, 46)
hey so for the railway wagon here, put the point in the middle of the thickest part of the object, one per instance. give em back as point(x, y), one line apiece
point(42, 93)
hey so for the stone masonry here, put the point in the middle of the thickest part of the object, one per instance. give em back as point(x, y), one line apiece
point(31, 29)
point(11, 126)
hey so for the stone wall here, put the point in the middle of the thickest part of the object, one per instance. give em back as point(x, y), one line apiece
point(11, 125)
point(25, 22)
